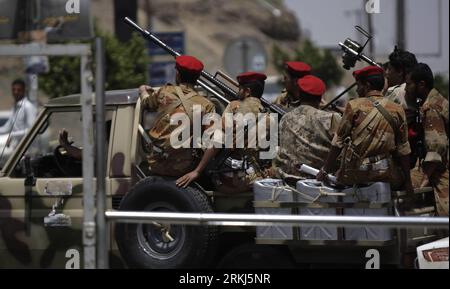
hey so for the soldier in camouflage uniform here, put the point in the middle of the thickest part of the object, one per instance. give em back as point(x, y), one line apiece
point(306, 131)
point(372, 136)
point(170, 99)
point(434, 116)
point(399, 66)
point(293, 71)
point(251, 88)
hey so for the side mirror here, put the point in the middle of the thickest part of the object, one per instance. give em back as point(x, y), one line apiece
point(59, 190)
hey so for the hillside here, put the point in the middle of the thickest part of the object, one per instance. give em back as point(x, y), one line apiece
point(209, 25)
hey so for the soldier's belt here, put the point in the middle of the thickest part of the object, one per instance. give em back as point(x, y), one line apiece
point(371, 164)
point(374, 159)
point(234, 164)
point(241, 166)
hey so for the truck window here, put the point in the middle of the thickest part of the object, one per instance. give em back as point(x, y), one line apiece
point(48, 158)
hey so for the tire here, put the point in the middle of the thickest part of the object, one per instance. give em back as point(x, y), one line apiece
point(253, 256)
point(144, 246)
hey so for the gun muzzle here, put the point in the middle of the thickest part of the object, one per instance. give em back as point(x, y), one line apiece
point(314, 172)
point(133, 24)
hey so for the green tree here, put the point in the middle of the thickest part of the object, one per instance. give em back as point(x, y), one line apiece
point(322, 62)
point(441, 84)
point(126, 65)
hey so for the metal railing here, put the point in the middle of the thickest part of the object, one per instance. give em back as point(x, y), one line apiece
point(219, 219)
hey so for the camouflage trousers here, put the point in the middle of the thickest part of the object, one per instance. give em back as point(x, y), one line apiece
point(440, 185)
point(176, 163)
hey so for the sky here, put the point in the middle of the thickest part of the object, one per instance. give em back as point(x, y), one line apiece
point(328, 22)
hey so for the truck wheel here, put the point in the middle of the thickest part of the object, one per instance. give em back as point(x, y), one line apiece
point(163, 245)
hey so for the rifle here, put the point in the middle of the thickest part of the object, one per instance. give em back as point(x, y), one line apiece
point(339, 96)
point(352, 53)
point(205, 77)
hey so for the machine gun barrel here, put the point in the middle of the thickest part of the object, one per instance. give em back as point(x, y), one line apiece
point(361, 56)
point(314, 172)
point(226, 90)
point(149, 36)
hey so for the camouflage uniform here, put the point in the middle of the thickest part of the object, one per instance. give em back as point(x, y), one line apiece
point(305, 138)
point(369, 142)
point(168, 101)
point(434, 114)
point(248, 105)
point(241, 181)
point(284, 102)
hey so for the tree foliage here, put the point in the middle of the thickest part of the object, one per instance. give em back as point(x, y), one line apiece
point(126, 65)
point(441, 84)
point(322, 62)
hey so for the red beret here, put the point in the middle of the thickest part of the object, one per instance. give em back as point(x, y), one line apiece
point(298, 68)
point(189, 64)
point(311, 85)
point(250, 76)
point(368, 71)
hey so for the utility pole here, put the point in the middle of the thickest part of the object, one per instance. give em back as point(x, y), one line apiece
point(245, 49)
point(371, 51)
point(31, 24)
point(149, 13)
point(124, 9)
point(401, 35)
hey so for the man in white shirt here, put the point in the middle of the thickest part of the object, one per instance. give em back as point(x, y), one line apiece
point(400, 64)
point(23, 114)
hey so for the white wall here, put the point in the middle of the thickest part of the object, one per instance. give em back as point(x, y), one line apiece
point(331, 21)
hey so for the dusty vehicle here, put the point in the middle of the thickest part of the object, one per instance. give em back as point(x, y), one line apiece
point(41, 207)
point(433, 255)
point(41, 185)
point(4, 116)
point(41, 191)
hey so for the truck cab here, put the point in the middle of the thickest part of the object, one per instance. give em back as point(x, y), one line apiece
point(41, 185)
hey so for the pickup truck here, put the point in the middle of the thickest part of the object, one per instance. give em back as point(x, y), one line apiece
point(41, 209)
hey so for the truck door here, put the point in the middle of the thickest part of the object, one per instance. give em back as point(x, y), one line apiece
point(41, 208)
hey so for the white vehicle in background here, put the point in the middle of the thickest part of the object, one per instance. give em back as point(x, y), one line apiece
point(272, 88)
point(433, 255)
point(4, 116)
point(6, 151)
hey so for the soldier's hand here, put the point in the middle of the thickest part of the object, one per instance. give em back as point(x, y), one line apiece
point(425, 182)
point(411, 200)
point(188, 178)
point(145, 89)
point(63, 138)
point(322, 176)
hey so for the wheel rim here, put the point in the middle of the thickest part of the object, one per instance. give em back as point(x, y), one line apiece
point(152, 237)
